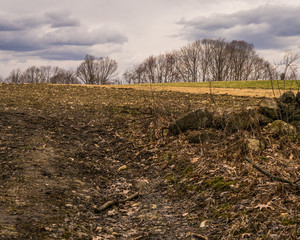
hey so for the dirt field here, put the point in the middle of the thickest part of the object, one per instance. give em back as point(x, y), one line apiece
point(98, 163)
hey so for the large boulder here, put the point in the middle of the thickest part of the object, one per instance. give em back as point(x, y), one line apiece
point(245, 120)
point(288, 97)
point(269, 108)
point(280, 128)
point(194, 120)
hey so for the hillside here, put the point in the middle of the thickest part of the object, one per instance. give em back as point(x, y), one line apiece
point(82, 162)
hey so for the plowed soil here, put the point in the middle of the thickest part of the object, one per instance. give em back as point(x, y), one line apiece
point(99, 163)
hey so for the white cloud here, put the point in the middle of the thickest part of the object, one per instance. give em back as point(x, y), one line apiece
point(53, 31)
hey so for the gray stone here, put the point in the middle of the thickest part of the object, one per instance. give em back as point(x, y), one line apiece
point(193, 120)
point(141, 184)
point(269, 108)
point(255, 145)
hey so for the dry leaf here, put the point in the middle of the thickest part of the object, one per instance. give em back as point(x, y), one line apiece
point(203, 224)
point(122, 168)
point(262, 206)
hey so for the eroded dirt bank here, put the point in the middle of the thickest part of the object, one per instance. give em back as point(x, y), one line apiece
point(66, 151)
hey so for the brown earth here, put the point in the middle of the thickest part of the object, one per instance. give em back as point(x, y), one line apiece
point(98, 163)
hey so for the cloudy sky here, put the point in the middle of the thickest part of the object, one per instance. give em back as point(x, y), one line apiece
point(62, 32)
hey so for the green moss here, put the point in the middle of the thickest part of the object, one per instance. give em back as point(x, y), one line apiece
point(167, 156)
point(288, 221)
point(189, 169)
point(264, 159)
point(218, 183)
point(172, 179)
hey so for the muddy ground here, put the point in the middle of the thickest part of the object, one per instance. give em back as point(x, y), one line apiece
point(99, 163)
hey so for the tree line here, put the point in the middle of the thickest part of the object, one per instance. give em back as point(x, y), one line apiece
point(91, 71)
point(211, 60)
point(201, 61)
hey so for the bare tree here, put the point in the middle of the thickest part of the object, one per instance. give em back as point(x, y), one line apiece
point(205, 60)
point(219, 60)
point(170, 74)
point(32, 75)
point(87, 71)
point(46, 73)
point(14, 76)
point(239, 57)
point(106, 70)
point(64, 77)
point(189, 62)
point(97, 71)
point(289, 65)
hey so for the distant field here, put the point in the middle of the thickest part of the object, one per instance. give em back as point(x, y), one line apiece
point(266, 84)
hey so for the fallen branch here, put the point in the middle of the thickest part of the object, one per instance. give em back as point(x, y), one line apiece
point(297, 181)
point(198, 236)
point(271, 176)
point(116, 202)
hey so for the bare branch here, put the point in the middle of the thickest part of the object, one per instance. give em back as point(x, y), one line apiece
point(272, 177)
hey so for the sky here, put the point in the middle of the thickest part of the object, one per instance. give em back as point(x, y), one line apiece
point(62, 32)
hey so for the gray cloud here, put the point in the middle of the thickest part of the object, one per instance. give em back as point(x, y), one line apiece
point(267, 26)
point(53, 35)
point(61, 19)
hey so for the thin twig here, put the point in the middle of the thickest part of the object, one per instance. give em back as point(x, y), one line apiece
point(271, 176)
point(296, 181)
point(116, 202)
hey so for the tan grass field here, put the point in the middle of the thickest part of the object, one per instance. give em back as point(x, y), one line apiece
point(203, 90)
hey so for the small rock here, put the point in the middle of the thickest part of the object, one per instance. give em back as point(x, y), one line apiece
point(141, 184)
point(255, 145)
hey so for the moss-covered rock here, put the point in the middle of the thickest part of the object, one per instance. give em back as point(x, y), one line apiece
point(280, 128)
point(288, 97)
point(269, 108)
